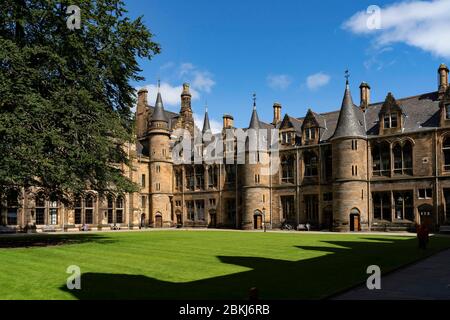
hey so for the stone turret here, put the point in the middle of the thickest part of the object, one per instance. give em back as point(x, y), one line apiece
point(160, 167)
point(255, 172)
point(349, 152)
point(186, 120)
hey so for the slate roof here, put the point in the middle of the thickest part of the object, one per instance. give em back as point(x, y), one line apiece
point(206, 125)
point(420, 112)
point(349, 124)
point(158, 112)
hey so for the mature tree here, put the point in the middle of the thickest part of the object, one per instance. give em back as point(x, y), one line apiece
point(66, 95)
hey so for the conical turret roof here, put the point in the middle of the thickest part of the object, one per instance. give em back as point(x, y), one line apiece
point(158, 113)
point(348, 124)
point(206, 125)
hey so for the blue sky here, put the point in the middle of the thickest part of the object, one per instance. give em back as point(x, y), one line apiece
point(290, 51)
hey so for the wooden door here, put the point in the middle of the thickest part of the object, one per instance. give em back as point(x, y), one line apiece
point(212, 220)
point(257, 221)
point(158, 222)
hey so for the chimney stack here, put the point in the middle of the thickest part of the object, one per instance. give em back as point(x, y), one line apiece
point(443, 78)
point(186, 99)
point(365, 95)
point(227, 121)
point(142, 98)
point(276, 113)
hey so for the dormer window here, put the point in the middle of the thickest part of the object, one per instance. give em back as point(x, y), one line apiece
point(391, 120)
point(287, 138)
point(390, 115)
point(310, 134)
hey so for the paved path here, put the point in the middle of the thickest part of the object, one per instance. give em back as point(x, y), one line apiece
point(428, 279)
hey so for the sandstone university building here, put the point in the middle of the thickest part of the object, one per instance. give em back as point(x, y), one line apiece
point(372, 166)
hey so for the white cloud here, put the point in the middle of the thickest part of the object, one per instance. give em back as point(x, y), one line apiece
point(203, 81)
point(186, 68)
point(170, 94)
point(279, 82)
point(422, 24)
point(317, 80)
point(216, 126)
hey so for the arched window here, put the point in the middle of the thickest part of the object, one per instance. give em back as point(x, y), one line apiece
point(189, 178)
point(178, 180)
point(110, 201)
point(12, 201)
point(53, 211)
point(199, 177)
point(230, 174)
point(213, 174)
point(119, 209)
point(446, 152)
point(89, 209)
point(40, 208)
point(78, 206)
point(287, 169)
point(381, 159)
point(310, 160)
point(403, 159)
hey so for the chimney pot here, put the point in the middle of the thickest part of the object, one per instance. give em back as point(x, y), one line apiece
point(443, 78)
point(365, 95)
point(276, 113)
point(227, 121)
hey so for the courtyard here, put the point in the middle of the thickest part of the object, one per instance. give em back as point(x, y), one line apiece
point(190, 264)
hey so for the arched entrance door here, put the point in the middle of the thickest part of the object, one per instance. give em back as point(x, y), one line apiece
point(212, 219)
point(257, 220)
point(426, 215)
point(142, 220)
point(355, 220)
point(158, 220)
point(328, 217)
point(179, 219)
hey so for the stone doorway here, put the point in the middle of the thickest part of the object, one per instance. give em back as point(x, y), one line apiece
point(426, 215)
point(142, 220)
point(179, 219)
point(327, 222)
point(355, 220)
point(212, 219)
point(158, 221)
point(257, 220)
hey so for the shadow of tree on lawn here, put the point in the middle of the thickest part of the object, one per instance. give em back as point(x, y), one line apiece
point(44, 240)
point(343, 265)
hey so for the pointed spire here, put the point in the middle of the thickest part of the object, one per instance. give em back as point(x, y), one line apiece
point(158, 113)
point(206, 125)
point(348, 123)
point(254, 121)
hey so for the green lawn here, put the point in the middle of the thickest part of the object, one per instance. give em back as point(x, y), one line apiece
point(198, 264)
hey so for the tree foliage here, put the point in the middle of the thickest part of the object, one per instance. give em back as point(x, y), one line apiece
point(66, 95)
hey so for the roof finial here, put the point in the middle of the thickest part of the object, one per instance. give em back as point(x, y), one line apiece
point(347, 75)
point(159, 83)
point(206, 105)
point(254, 101)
